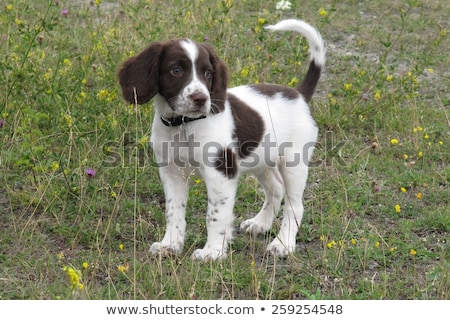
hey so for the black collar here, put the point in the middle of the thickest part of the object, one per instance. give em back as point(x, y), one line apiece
point(178, 120)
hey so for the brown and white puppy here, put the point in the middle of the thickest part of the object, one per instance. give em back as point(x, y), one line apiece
point(202, 126)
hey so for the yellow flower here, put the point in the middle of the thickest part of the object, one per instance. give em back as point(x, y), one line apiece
point(426, 136)
point(354, 241)
point(121, 246)
point(394, 141)
point(68, 119)
point(293, 82)
point(48, 74)
point(405, 156)
point(377, 244)
point(113, 194)
point(377, 95)
point(245, 71)
point(348, 86)
point(81, 96)
point(323, 13)
point(9, 7)
point(420, 154)
point(398, 209)
point(124, 268)
point(418, 129)
point(85, 265)
point(419, 195)
point(197, 181)
point(331, 244)
point(102, 94)
point(261, 20)
point(54, 166)
point(389, 78)
point(391, 249)
point(74, 277)
point(227, 3)
point(67, 63)
point(143, 141)
point(412, 252)
point(403, 189)
point(322, 237)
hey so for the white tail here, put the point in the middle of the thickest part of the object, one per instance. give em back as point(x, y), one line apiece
point(315, 41)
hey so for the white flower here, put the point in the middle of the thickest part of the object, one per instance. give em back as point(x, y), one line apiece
point(283, 5)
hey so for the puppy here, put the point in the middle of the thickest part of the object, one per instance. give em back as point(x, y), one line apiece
point(200, 126)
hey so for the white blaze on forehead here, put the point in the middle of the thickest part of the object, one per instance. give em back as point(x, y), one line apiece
point(191, 50)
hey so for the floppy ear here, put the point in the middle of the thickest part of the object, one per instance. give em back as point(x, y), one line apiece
point(138, 76)
point(220, 79)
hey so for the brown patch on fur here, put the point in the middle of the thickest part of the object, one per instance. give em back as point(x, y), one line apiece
point(272, 89)
point(226, 163)
point(220, 79)
point(138, 76)
point(309, 83)
point(249, 126)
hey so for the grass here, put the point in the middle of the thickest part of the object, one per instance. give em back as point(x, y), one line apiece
point(377, 219)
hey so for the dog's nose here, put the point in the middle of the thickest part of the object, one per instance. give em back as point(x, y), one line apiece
point(199, 99)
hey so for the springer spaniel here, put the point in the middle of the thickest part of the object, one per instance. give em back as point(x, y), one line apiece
point(201, 126)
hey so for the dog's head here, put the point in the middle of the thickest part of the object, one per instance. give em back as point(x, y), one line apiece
point(188, 75)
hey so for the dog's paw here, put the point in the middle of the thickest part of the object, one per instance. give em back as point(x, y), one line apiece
point(161, 248)
point(255, 226)
point(279, 249)
point(208, 254)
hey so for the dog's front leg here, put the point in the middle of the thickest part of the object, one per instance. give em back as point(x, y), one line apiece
point(219, 217)
point(176, 192)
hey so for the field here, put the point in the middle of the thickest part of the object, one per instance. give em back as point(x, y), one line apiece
point(80, 197)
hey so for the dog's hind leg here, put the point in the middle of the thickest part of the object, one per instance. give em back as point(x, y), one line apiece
point(294, 182)
point(272, 182)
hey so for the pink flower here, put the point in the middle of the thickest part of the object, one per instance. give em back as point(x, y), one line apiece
point(64, 12)
point(90, 172)
point(2, 123)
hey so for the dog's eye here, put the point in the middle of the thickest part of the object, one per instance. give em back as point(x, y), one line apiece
point(208, 74)
point(176, 72)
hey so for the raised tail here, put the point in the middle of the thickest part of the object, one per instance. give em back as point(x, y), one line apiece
point(316, 47)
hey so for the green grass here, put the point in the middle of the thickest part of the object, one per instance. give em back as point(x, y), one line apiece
point(384, 97)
